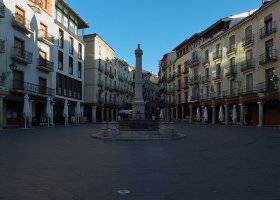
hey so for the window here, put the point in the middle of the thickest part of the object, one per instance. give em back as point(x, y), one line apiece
point(232, 42)
point(71, 45)
point(44, 30)
point(268, 24)
point(206, 55)
point(61, 38)
point(249, 82)
point(20, 15)
point(207, 72)
point(70, 66)
point(60, 60)
point(73, 27)
point(249, 56)
point(218, 69)
point(269, 48)
point(219, 88)
point(79, 70)
point(80, 51)
point(248, 33)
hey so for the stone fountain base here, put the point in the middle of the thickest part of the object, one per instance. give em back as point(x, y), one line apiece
point(138, 130)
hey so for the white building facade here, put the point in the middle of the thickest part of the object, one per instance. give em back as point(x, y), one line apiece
point(30, 59)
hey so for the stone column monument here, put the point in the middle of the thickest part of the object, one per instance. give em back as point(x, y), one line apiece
point(138, 104)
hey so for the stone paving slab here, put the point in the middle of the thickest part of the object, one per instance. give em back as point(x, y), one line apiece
point(211, 162)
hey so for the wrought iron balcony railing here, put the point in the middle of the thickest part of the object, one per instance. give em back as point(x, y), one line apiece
point(47, 38)
point(45, 65)
point(21, 23)
point(247, 65)
point(269, 56)
point(27, 87)
point(231, 71)
point(22, 56)
point(268, 30)
point(217, 55)
point(231, 49)
point(247, 41)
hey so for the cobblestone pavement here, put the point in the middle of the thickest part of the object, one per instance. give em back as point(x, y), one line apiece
point(212, 162)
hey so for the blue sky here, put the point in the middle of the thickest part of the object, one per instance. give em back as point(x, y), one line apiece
point(158, 25)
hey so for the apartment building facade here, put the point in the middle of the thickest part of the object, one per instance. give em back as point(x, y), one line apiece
point(31, 63)
point(108, 81)
point(237, 68)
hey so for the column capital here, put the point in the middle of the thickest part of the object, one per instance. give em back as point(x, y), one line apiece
point(260, 102)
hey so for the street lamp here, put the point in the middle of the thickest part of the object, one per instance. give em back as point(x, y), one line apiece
point(275, 79)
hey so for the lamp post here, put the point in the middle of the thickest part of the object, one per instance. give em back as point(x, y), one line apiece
point(275, 79)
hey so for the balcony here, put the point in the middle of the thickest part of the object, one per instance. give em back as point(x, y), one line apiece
point(248, 90)
point(205, 61)
point(26, 87)
point(217, 76)
point(268, 57)
point(205, 79)
point(46, 38)
point(100, 83)
point(185, 70)
point(20, 23)
point(100, 100)
point(178, 73)
point(2, 46)
point(265, 88)
point(21, 56)
point(231, 93)
point(45, 65)
point(2, 10)
point(178, 87)
point(266, 31)
point(231, 50)
point(247, 65)
point(111, 75)
point(195, 98)
point(121, 78)
point(194, 79)
point(231, 71)
point(100, 68)
point(107, 72)
point(106, 86)
point(248, 41)
point(217, 55)
point(185, 85)
point(194, 62)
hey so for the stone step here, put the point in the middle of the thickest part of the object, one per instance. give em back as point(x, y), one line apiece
point(145, 133)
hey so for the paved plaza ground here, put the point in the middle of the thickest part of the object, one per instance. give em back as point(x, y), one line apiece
point(211, 162)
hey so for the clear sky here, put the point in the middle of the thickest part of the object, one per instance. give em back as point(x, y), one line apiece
point(158, 25)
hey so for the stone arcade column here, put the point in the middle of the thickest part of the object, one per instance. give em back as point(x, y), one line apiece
point(1, 113)
point(138, 104)
point(93, 114)
point(183, 113)
point(51, 119)
point(213, 114)
point(112, 115)
point(191, 109)
point(260, 114)
point(176, 110)
point(117, 110)
point(241, 114)
point(107, 114)
point(172, 114)
point(167, 114)
point(102, 114)
point(226, 114)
